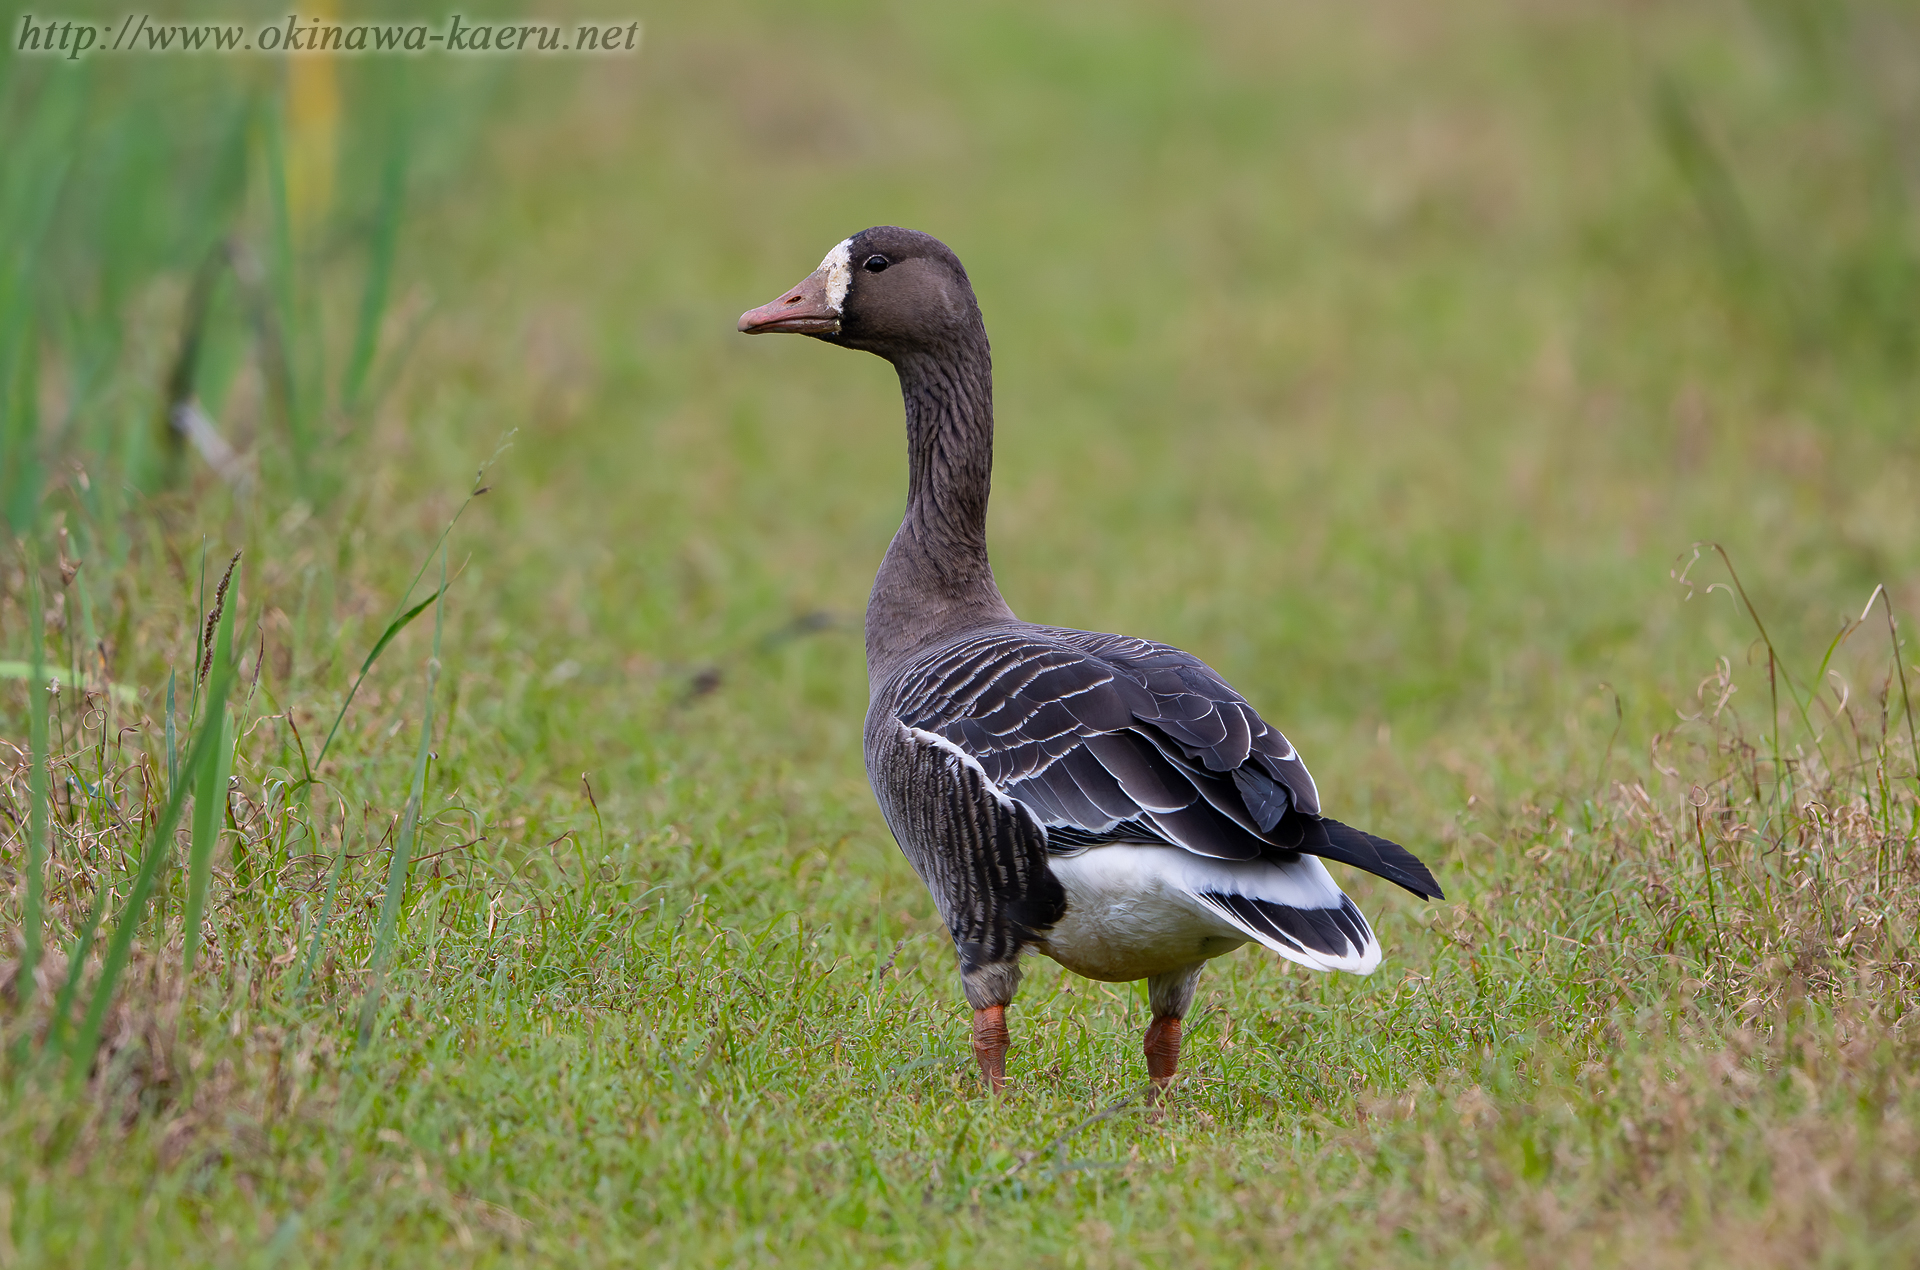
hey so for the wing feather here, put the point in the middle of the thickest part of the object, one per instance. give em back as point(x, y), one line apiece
point(1110, 738)
point(1204, 831)
point(980, 852)
point(1098, 784)
point(1142, 772)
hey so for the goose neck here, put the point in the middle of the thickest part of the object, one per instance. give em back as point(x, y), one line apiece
point(935, 581)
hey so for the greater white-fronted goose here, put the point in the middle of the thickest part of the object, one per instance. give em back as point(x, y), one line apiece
point(1110, 802)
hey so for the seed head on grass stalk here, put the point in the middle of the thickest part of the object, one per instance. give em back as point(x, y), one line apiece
point(213, 618)
point(210, 794)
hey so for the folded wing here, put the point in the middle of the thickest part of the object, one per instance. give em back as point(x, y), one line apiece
point(1105, 738)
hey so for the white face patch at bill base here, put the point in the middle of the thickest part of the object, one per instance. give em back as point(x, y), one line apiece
point(838, 266)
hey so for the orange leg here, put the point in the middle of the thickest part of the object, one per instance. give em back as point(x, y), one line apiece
point(1163, 1052)
point(990, 1045)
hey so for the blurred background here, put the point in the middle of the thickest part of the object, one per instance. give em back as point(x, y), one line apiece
point(1395, 358)
point(1391, 359)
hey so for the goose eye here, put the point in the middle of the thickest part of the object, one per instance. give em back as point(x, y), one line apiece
point(875, 264)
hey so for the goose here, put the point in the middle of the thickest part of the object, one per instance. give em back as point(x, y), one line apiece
point(1106, 801)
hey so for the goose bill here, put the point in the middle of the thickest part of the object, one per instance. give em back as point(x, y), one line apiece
point(801, 310)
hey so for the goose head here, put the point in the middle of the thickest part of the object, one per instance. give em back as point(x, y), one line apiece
point(890, 291)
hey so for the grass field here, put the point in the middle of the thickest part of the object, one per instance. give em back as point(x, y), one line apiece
point(1404, 361)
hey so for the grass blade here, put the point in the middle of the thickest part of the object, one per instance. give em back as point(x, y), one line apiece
point(206, 739)
point(1906, 700)
point(21, 468)
point(210, 793)
point(193, 699)
point(275, 289)
point(403, 844)
point(31, 919)
point(76, 962)
point(397, 625)
point(373, 301)
point(33, 177)
point(394, 627)
point(320, 926)
point(1709, 180)
point(173, 741)
point(209, 804)
point(1776, 668)
point(401, 618)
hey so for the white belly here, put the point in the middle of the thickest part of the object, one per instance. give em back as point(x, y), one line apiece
point(1129, 916)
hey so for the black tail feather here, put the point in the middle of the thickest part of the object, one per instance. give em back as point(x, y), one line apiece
point(1331, 840)
point(1330, 932)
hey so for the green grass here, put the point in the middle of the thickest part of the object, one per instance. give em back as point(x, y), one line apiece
point(1394, 359)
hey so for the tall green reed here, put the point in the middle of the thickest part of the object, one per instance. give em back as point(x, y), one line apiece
point(34, 168)
point(159, 189)
point(112, 188)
